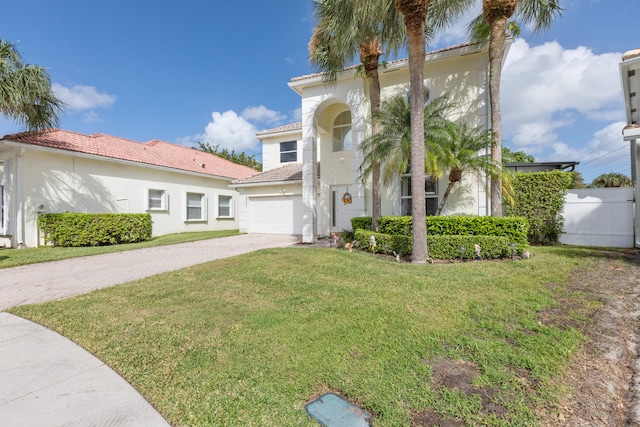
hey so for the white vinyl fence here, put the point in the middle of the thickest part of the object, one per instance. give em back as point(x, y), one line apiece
point(599, 217)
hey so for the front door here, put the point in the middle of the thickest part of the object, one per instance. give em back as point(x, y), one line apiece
point(341, 208)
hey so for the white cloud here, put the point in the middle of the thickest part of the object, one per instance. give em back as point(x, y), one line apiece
point(546, 88)
point(228, 130)
point(605, 152)
point(262, 114)
point(81, 98)
point(236, 132)
point(297, 115)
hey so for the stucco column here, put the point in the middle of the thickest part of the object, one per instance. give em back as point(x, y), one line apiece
point(309, 182)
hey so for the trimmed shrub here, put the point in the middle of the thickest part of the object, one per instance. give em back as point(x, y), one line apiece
point(440, 247)
point(539, 197)
point(361, 222)
point(515, 229)
point(81, 229)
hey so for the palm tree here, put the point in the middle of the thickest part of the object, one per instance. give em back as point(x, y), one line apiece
point(346, 29)
point(391, 147)
point(25, 91)
point(415, 13)
point(461, 154)
point(538, 14)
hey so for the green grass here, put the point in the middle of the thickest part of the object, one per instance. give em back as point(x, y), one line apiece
point(17, 257)
point(248, 340)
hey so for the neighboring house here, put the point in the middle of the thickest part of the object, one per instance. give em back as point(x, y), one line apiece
point(59, 171)
point(293, 197)
point(630, 77)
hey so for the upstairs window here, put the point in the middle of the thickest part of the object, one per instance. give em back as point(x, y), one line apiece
point(288, 151)
point(342, 132)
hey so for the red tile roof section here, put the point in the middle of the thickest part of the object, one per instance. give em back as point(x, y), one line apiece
point(156, 153)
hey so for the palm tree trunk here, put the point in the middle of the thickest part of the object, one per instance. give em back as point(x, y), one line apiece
point(444, 197)
point(497, 13)
point(370, 56)
point(415, 12)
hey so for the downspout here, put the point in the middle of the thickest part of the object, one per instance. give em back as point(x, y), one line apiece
point(19, 204)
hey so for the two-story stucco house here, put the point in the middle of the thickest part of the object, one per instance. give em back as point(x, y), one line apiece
point(59, 171)
point(311, 181)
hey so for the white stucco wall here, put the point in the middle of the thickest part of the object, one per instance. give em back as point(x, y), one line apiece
point(54, 183)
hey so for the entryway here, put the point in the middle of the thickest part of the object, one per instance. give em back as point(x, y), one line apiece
point(341, 209)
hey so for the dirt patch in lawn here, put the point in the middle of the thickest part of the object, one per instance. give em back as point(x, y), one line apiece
point(458, 376)
point(602, 302)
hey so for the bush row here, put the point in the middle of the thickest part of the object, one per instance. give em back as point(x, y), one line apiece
point(440, 247)
point(514, 229)
point(81, 229)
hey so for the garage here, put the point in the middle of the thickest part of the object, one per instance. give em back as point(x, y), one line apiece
point(276, 215)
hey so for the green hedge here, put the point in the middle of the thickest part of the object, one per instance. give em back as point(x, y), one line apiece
point(81, 229)
point(539, 197)
point(440, 247)
point(515, 229)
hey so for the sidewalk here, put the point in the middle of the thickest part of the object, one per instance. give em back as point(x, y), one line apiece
point(47, 380)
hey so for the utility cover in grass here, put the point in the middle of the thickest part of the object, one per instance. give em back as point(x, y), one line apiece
point(330, 410)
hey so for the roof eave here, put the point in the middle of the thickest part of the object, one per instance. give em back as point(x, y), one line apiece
point(630, 133)
point(264, 184)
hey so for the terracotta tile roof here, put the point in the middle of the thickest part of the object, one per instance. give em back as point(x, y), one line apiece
point(288, 173)
point(389, 63)
point(157, 153)
point(286, 128)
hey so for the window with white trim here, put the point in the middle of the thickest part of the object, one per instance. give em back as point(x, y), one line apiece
point(156, 200)
point(196, 207)
point(288, 151)
point(342, 132)
point(430, 195)
point(225, 206)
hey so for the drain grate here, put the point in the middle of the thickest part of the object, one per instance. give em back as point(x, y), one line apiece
point(330, 410)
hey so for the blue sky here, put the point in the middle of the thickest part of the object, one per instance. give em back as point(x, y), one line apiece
point(218, 71)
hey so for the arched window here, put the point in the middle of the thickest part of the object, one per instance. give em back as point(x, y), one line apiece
point(342, 132)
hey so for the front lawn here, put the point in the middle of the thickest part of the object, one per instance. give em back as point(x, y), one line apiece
point(16, 257)
point(248, 340)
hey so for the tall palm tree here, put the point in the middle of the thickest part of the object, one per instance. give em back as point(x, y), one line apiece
point(538, 14)
point(415, 13)
point(25, 91)
point(461, 154)
point(346, 29)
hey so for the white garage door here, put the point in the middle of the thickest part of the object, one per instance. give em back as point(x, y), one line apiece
point(276, 215)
